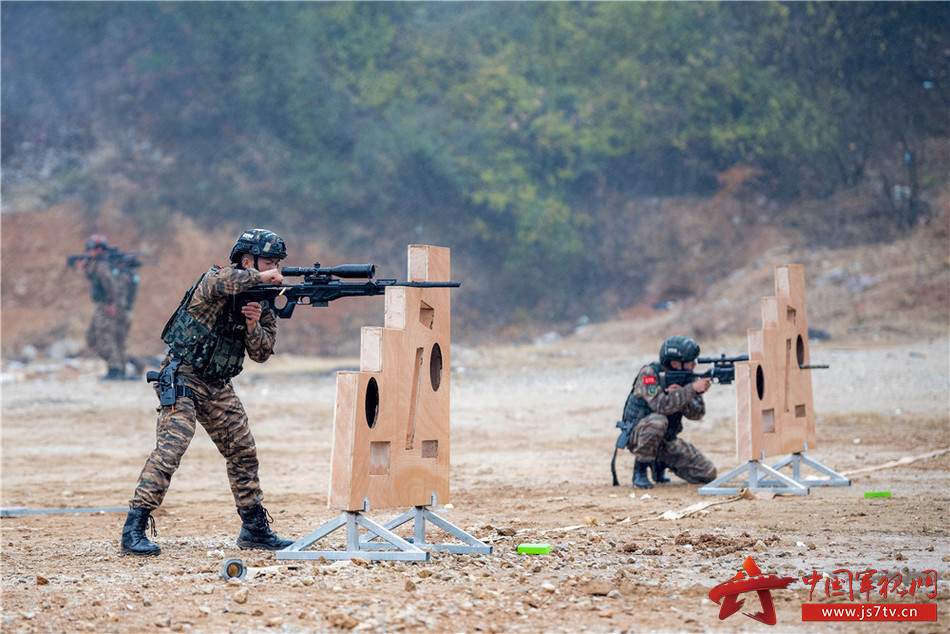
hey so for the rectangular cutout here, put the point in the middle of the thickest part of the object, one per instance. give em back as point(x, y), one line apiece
point(379, 458)
point(426, 315)
point(430, 448)
point(799, 411)
point(768, 421)
point(790, 315)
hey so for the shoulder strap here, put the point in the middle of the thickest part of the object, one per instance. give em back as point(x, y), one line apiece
point(185, 301)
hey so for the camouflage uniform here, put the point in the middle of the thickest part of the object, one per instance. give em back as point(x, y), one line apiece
point(105, 334)
point(126, 283)
point(655, 435)
point(213, 403)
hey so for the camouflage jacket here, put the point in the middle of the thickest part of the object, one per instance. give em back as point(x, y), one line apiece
point(685, 401)
point(648, 395)
point(203, 332)
point(104, 284)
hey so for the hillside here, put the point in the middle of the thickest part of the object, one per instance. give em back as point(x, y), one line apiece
point(893, 291)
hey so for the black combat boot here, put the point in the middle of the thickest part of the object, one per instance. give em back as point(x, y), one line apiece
point(640, 479)
point(134, 540)
point(659, 472)
point(256, 532)
point(114, 374)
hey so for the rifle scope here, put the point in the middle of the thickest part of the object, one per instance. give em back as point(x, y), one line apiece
point(362, 271)
point(723, 359)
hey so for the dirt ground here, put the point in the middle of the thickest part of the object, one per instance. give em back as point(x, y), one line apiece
point(532, 434)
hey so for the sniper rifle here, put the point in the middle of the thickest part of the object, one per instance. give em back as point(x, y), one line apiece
point(323, 285)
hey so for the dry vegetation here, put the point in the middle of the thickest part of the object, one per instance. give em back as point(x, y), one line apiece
point(890, 290)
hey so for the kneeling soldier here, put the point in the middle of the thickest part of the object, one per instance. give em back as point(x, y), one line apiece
point(656, 411)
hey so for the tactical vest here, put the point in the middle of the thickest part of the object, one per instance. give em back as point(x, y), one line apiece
point(636, 408)
point(215, 353)
point(98, 290)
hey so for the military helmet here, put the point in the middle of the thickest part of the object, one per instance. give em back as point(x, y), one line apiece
point(96, 241)
point(678, 348)
point(259, 243)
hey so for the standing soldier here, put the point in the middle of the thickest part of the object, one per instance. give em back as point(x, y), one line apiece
point(105, 334)
point(207, 339)
point(657, 411)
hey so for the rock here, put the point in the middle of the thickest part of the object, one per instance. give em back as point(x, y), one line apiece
point(342, 621)
point(240, 596)
point(598, 587)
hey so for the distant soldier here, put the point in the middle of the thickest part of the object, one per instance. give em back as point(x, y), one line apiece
point(657, 411)
point(207, 340)
point(106, 333)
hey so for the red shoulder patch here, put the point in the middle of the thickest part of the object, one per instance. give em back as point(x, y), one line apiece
point(649, 380)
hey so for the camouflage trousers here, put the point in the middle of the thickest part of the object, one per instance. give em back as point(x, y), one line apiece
point(220, 412)
point(648, 443)
point(106, 337)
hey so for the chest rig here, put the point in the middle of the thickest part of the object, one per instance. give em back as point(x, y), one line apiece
point(637, 408)
point(216, 352)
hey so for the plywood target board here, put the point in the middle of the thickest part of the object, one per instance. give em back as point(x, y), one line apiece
point(773, 390)
point(391, 418)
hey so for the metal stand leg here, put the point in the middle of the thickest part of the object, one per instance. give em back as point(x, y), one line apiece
point(399, 549)
point(754, 481)
point(834, 478)
point(419, 515)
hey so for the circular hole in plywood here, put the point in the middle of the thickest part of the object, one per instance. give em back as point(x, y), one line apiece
point(759, 381)
point(371, 404)
point(800, 351)
point(435, 367)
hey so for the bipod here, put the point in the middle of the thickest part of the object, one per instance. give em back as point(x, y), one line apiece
point(419, 516)
point(755, 481)
point(398, 548)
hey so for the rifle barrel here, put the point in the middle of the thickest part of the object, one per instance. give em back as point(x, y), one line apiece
point(429, 284)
